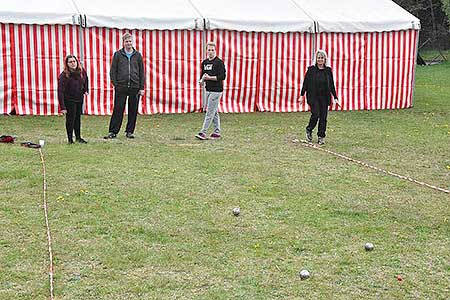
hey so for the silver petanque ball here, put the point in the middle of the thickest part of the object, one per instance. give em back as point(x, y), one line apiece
point(236, 211)
point(368, 246)
point(304, 274)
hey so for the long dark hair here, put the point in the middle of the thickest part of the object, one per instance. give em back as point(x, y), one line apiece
point(78, 69)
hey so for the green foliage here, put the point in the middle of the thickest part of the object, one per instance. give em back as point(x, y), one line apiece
point(446, 9)
point(434, 33)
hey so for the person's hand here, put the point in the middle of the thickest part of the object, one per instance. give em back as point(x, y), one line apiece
point(206, 77)
point(300, 100)
point(63, 112)
point(141, 92)
point(86, 93)
point(202, 80)
point(336, 101)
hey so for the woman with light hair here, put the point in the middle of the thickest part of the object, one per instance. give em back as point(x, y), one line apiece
point(319, 87)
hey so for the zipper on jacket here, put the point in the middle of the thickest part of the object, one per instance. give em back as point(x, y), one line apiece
point(129, 72)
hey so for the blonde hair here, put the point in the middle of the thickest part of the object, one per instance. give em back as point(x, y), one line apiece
point(126, 36)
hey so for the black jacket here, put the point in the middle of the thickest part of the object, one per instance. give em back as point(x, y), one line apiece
point(127, 73)
point(311, 88)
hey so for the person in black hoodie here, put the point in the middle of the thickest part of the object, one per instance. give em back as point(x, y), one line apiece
point(73, 84)
point(127, 76)
point(319, 87)
point(212, 75)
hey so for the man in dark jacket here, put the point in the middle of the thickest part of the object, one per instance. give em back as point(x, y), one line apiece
point(127, 76)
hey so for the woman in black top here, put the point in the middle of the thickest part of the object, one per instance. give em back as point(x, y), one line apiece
point(72, 86)
point(319, 86)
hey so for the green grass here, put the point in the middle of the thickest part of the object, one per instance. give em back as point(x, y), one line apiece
point(151, 218)
point(434, 55)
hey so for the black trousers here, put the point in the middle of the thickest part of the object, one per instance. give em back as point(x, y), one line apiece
point(73, 118)
point(319, 112)
point(120, 98)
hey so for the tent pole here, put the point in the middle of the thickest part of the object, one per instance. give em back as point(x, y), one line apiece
point(82, 24)
point(415, 66)
point(314, 39)
point(204, 32)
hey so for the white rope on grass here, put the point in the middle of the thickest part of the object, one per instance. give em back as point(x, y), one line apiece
point(310, 145)
point(49, 237)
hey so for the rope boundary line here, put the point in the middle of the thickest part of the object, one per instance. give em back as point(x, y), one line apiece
point(47, 224)
point(421, 183)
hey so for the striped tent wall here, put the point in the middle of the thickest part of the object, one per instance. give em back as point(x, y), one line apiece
point(171, 62)
point(284, 59)
point(264, 70)
point(31, 59)
point(372, 70)
point(239, 51)
point(7, 70)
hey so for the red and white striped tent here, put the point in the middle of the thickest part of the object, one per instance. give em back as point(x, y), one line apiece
point(266, 45)
point(169, 36)
point(372, 45)
point(34, 38)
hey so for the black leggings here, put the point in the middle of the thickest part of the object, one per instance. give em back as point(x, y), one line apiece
point(319, 112)
point(73, 119)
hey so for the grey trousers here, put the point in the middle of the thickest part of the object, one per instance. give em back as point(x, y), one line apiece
point(212, 111)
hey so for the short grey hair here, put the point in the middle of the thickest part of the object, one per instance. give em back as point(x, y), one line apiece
point(324, 53)
point(211, 43)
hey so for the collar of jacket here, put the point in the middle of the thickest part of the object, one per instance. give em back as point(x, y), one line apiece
point(317, 68)
point(122, 51)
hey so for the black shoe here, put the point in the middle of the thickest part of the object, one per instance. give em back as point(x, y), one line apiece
point(70, 142)
point(308, 136)
point(110, 135)
point(81, 141)
point(321, 140)
point(129, 135)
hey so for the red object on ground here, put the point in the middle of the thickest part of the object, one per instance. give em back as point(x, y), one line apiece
point(399, 278)
point(6, 139)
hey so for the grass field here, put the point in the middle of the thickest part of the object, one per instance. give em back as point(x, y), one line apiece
point(151, 218)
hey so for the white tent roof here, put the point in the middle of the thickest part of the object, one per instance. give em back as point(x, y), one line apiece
point(254, 15)
point(141, 14)
point(37, 12)
point(359, 15)
point(242, 15)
